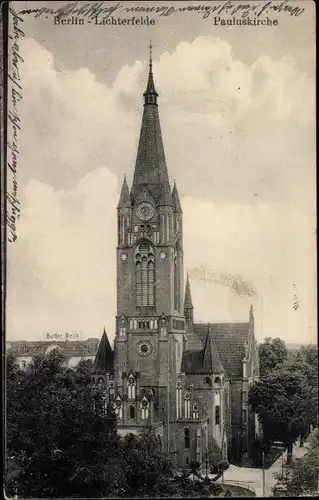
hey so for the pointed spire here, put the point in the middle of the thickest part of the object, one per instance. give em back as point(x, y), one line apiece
point(251, 321)
point(124, 201)
point(104, 359)
point(176, 202)
point(150, 166)
point(188, 304)
point(211, 362)
point(188, 297)
point(251, 312)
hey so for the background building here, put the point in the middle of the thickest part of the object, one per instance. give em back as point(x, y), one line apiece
point(74, 350)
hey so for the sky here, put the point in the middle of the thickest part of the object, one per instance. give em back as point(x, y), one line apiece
point(237, 112)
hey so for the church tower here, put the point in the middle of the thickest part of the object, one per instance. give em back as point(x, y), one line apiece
point(150, 323)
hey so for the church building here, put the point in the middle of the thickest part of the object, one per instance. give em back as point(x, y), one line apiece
point(187, 381)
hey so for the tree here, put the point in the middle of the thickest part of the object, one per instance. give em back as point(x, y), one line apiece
point(301, 478)
point(272, 354)
point(147, 470)
point(283, 401)
point(54, 431)
point(62, 439)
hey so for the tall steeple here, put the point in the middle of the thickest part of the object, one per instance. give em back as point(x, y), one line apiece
point(150, 166)
point(188, 304)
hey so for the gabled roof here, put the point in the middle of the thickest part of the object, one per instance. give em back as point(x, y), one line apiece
point(104, 360)
point(229, 339)
point(191, 361)
point(211, 362)
point(205, 360)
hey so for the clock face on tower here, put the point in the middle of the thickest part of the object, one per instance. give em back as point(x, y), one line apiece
point(145, 211)
point(144, 348)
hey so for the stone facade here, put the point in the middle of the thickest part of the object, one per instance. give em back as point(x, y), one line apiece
point(187, 381)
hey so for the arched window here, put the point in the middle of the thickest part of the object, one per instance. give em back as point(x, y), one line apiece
point(208, 382)
point(217, 381)
point(100, 382)
point(163, 329)
point(187, 461)
point(179, 400)
point(217, 415)
point(187, 406)
point(195, 412)
point(145, 274)
point(187, 440)
point(132, 412)
point(131, 387)
point(176, 282)
point(144, 409)
point(118, 407)
point(122, 327)
point(111, 387)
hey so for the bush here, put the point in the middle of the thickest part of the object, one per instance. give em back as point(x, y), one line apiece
point(223, 465)
point(215, 489)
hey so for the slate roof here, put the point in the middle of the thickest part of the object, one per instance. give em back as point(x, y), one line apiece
point(227, 338)
point(104, 360)
point(205, 360)
point(150, 166)
point(211, 361)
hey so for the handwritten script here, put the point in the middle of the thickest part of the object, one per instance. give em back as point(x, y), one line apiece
point(14, 125)
point(236, 283)
point(226, 8)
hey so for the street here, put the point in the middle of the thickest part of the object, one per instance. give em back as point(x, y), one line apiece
point(253, 477)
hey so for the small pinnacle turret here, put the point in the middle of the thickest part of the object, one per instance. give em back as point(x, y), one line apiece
point(125, 201)
point(188, 304)
point(211, 362)
point(104, 359)
point(176, 201)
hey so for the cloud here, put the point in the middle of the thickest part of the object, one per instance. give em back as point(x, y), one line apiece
point(239, 140)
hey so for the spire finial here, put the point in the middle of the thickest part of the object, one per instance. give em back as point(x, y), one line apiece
point(151, 61)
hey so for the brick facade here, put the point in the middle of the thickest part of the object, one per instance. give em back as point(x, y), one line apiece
point(187, 381)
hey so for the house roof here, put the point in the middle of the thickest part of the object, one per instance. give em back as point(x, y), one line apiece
point(70, 348)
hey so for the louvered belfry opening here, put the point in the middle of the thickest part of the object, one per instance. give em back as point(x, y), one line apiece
point(145, 275)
